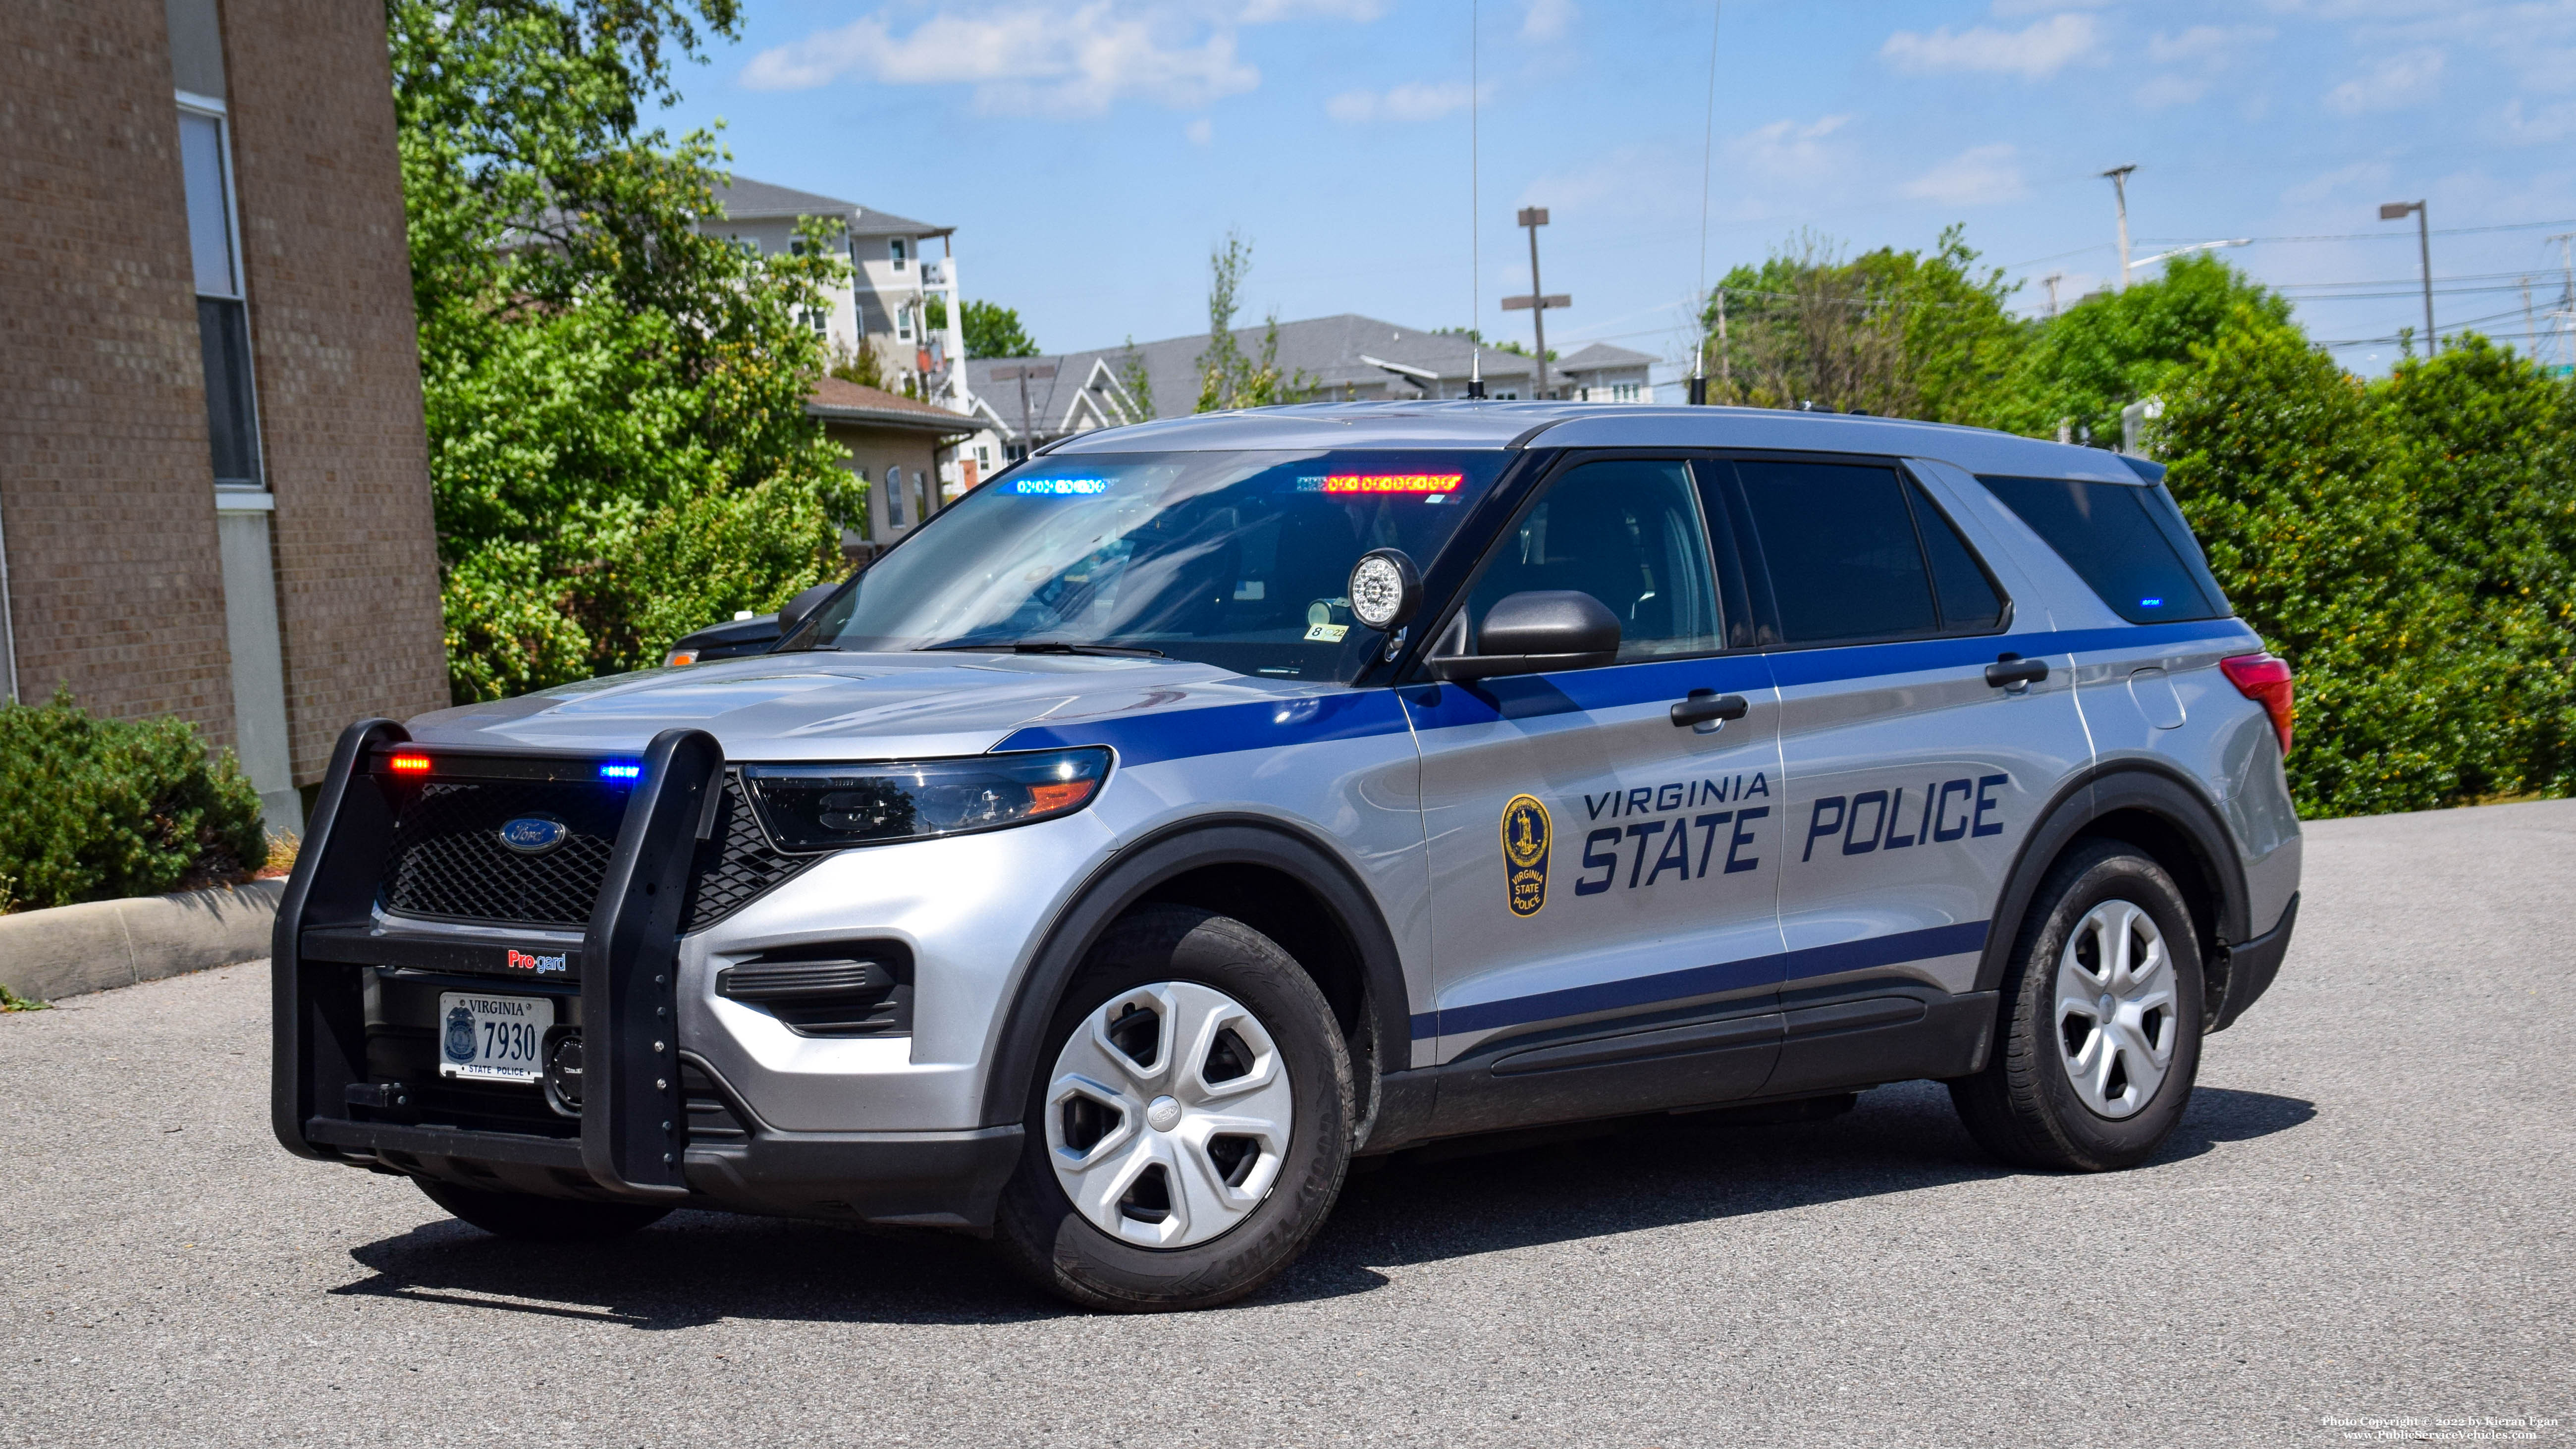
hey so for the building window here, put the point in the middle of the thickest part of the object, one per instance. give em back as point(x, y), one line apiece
point(1623, 392)
point(983, 456)
point(223, 318)
point(899, 248)
point(903, 322)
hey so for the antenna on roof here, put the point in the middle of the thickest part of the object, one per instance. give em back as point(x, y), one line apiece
point(1707, 148)
point(1475, 233)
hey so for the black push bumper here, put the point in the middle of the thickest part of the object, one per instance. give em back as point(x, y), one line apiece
point(2252, 966)
point(634, 1137)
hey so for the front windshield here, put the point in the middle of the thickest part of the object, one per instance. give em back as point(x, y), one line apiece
point(1241, 560)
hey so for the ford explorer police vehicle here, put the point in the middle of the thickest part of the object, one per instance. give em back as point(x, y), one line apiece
point(1201, 804)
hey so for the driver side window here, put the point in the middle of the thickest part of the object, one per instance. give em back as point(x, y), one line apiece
point(1627, 532)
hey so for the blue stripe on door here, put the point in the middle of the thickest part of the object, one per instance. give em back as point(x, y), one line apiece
point(1870, 953)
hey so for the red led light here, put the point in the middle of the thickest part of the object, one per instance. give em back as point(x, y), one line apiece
point(409, 764)
point(1393, 482)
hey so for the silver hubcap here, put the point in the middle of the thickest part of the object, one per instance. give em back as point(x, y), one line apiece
point(1168, 1114)
point(2115, 1009)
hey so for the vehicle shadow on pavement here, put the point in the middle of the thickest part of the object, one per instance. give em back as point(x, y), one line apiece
point(1669, 1170)
point(1417, 1207)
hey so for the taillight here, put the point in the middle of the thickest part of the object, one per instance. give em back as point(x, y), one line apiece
point(2265, 679)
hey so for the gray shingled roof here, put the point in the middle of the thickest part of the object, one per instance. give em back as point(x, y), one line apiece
point(1601, 355)
point(1330, 352)
point(745, 200)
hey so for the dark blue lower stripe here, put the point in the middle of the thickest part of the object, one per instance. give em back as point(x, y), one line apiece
point(1642, 991)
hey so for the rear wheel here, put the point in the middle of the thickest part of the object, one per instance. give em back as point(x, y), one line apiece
point(532, 1219)
point(1192, 1127)
point(2102, 1020)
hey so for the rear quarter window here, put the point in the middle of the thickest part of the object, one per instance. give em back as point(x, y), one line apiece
point(2118, 539)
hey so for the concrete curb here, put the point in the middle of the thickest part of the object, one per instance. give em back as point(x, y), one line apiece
point(67, 950)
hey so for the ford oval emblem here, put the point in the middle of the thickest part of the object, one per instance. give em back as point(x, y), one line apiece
point(534, 834)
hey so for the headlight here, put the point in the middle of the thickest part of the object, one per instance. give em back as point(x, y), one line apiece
point(827, 807)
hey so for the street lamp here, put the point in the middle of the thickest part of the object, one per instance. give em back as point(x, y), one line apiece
point(2396, 211)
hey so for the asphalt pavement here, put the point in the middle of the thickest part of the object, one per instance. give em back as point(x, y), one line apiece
point(2361, 1229)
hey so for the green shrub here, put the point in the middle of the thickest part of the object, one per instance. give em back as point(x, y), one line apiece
point(93, 809)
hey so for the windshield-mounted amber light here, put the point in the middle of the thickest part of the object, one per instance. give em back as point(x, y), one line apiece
point(833, 806)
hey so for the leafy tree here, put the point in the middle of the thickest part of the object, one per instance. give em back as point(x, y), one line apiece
point(2111, 350)
point(2481, 444)
point(993, 330)
point(858, 364)
point(1894, 333)
point(1227, 378)
point(618, 447)
point(1133, 376)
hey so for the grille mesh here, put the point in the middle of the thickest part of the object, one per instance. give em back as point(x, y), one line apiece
point(448, 862)
point(448, 859)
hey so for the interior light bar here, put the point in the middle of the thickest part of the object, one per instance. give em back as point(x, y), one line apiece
point(1061, 487)
point(409, 762)
point(1393, 482)
point(620, 770)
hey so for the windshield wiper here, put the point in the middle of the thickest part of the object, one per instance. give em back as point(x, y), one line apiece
point(1049, 646)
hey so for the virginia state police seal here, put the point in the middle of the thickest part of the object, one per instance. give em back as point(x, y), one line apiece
point(1525, 836)
point(460, 1035)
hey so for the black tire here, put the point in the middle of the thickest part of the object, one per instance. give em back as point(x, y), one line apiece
point(2025, 1107)
point(1038, 1227)
point(531, 1219)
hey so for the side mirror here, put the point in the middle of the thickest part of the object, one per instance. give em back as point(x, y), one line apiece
point(1537, 632)
point(794, 613)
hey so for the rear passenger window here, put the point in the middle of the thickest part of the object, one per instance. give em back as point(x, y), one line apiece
point(2109, 534)
point(1969, 603)
point(1838, 543)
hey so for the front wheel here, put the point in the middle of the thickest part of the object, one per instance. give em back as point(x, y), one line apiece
point(1192, 1127)
point(2101, 1026)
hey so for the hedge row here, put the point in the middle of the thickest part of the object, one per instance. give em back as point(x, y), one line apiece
point(95, 809)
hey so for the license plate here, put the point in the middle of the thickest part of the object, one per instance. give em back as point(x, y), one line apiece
point(492, 1038)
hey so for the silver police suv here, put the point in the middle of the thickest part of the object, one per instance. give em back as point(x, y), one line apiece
point(1200, 805)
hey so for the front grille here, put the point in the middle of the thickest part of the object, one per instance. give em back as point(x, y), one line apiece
point(447, 861)
point(735, 864)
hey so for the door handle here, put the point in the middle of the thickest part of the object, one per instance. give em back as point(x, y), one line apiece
point(1705, 705)
point(2011, 671)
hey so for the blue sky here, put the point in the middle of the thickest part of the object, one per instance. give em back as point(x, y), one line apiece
point(1090, 153)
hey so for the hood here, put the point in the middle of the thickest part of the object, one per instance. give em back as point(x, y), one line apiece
point(834, 706)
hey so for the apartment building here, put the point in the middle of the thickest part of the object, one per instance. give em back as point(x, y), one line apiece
point(214, 494)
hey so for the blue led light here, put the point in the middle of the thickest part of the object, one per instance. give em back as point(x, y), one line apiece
point(1061, 487)
point(616, 770)
point(2151, 603)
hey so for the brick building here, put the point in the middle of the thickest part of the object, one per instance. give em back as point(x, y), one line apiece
point(214, 495)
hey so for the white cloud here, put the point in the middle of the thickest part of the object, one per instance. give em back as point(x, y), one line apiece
point(1413, 101)
point(2392, 83)
point(1200, 131)
point(2361, 178)
point(2033, 53)
point(2200, 53)
point(1022, 56)
point(1791, 150)
point(2531, 128)
point(2214, 46)
point(1978, 176)
point(1547, 19)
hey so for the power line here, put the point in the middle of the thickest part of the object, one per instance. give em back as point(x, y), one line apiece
point(2385, 235)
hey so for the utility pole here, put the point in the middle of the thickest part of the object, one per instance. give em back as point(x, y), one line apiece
point(2396, 211)
point(2118, 176)
point(1024, 371)
point(2567, 298)
point(1538, 301)
point(2050, 282)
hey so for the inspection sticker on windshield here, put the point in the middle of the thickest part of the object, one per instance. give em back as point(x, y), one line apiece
point(492, 1038)
point(1326, 633)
